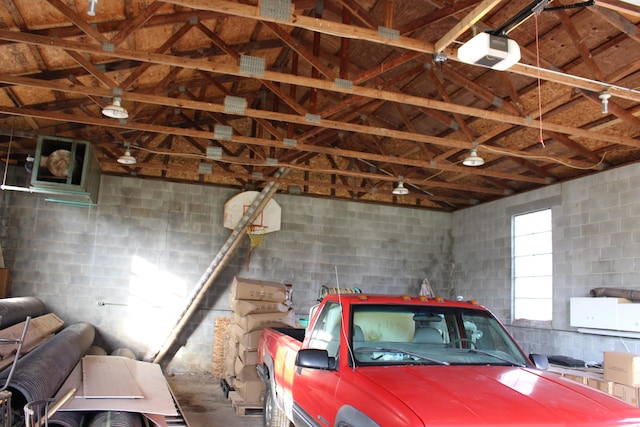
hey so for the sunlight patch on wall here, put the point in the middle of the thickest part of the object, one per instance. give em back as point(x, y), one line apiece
point(156, 299)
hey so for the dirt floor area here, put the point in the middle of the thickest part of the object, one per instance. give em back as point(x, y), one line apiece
point(203, 403)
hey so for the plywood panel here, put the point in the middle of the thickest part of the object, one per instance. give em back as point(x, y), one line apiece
point(157, 396)
point(111, 377)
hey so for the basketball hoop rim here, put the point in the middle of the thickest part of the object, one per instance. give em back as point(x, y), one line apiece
point(256, 229)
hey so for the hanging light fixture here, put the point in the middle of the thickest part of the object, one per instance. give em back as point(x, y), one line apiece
point(473, 159)
point(115, 110)
point(400, 189)
point(127, 158)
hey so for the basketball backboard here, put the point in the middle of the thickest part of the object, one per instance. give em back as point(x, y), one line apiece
point(236, 206)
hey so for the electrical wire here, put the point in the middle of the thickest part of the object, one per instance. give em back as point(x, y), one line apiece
point(6, 166)
point(548, 158)
point(541, 137)
point(342, 329)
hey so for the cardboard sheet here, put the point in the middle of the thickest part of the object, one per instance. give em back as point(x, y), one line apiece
point(111, 376)
point(157, 398)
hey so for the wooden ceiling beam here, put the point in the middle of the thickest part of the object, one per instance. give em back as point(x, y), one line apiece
point(583, 50)
point(271, 85)
point(266, 114)
point(356, 10)
point(135, 22)
point(296, 45)
point(260, 141)
point(270, 76)
point(365, 34)
point(78, 21)
point(135, 74)
point(443, 12)
point(620, 7)
point(465, 23)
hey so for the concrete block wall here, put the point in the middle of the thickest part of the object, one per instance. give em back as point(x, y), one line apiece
point(596, 243)
point(129, 265)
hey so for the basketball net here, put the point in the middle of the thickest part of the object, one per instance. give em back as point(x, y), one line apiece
point(256, 235)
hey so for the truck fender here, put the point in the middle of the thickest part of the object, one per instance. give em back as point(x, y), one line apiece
point(265, 372)
point(349, 416)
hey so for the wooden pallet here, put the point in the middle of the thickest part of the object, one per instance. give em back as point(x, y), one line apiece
point(245, 409)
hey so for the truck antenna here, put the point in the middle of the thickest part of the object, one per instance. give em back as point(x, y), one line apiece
point(344, 332)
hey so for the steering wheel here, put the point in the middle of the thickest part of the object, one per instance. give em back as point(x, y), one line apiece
point(461, 340)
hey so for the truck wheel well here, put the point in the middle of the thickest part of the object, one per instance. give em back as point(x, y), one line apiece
point(349, 416)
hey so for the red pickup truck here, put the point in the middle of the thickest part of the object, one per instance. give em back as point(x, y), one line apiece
point(373, 360)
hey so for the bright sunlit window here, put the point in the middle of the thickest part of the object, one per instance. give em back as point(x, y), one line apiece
point(532, 266)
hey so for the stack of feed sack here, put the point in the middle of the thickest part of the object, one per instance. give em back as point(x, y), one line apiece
point(256, 304)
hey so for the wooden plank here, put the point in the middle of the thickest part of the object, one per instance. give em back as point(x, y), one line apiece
point(6, 362)
point(474, 16)
point(109, 377)
point(39, 328)
point(243, 408)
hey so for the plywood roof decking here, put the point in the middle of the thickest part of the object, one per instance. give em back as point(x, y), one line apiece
point(405, 115)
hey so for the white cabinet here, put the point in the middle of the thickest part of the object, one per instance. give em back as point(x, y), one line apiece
point(616, 314)
point(629, 317)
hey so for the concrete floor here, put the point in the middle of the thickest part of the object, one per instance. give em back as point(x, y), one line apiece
point(204, 404)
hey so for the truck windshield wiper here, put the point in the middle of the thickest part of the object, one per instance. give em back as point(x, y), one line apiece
point(504, 359)
point(395, 350)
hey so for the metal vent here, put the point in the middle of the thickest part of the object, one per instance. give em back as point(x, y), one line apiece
point(313, 118)
point(276, 9)
point(214, 153)
point(252, 65)
point(205, 168)
point(388, 33)
point(222, 132)
point(290, 142)
point(234, 104)
point(344, 84)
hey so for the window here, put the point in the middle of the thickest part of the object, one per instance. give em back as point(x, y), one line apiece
point(326, 332)
point(532, 266)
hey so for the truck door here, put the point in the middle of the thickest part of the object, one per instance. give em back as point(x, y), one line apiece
point(314, 388)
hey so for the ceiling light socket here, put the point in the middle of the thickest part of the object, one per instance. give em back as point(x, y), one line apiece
point(91, 11)
point(604, 96)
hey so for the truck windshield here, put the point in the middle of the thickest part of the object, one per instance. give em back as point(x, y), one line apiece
point(392, 334)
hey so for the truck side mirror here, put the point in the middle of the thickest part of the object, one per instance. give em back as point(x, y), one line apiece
point(540, 361)
point(315, 359)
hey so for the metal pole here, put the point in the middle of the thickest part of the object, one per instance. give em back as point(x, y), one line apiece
point(217, 265)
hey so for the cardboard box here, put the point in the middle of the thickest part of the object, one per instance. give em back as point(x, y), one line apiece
point(4, 282)
point(627, 393)
point(250, 391)
point(622, 368)
point(243, 307)
point(257, 290)
point(577, 377)
point(600, 384)
point(248, 357)
point(249, 339)
point(253, 322)
point(245, 372)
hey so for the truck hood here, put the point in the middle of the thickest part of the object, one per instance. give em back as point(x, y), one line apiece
point(498, 396)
